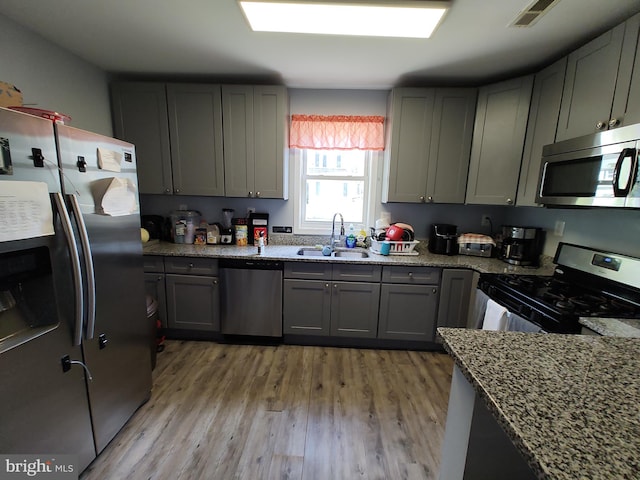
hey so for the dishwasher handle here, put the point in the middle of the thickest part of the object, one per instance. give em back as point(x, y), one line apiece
point(250, 264)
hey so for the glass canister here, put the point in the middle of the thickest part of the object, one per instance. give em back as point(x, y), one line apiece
point(241, 231)
point(183, 225)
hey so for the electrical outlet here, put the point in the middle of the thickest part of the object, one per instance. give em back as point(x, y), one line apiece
point(250, 210)
point(486, 221)
point(558, 229)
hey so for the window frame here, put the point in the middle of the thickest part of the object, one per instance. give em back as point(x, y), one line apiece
point(302, 227)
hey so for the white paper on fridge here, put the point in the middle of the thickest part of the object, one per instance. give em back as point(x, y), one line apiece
point(109, 160)
point(25, 210)
point(115, 196)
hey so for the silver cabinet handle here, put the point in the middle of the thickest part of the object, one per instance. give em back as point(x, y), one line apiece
point(422, 199)
point(257, 194)
point(509, 201)
point(177, 190)
point(614, 122)
point(430, 198)
point(159, 278)
point(251, 194)
point(88, 267)
point(326, 285)
point(435, 290)
point(601, 125)
point(167, 190)
point(191, 265)
point(215, 282)
point(75, 265)
point(410, 274)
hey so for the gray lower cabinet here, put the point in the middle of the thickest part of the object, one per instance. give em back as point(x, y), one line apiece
point(455, 294)
point(307, 307)
point(153, 266)
point(354, 309)
point(193, 293)
point(408, 312)
point(154, 286)
point(541, 128)
point(329, 305)
point(498, 138)
point(409, 303)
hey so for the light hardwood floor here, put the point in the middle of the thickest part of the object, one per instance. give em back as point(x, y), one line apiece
point(284, 412)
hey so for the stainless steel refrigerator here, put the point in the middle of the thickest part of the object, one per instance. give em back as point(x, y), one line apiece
point(75, 360)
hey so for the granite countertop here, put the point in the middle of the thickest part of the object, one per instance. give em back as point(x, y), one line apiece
point(613, 327)
point(569, 403)
point(289, 253)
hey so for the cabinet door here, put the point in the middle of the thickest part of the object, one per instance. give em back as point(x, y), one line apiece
point(408, 312)
point(590, 85)
point(271, 148)
point(455, 295)
point(498, 138)
point(411, 116)
point(154, 286)
point(354, 309)
point(626, 103)
point(453, 115)
point(541, 128)
point(306, 307)
point(195, 124)
point(140, 117)
point(237, 112)
point(193, 303)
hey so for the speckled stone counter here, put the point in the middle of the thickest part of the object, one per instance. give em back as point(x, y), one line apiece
point(613, 327)
point(569, 403)
point(290, 253)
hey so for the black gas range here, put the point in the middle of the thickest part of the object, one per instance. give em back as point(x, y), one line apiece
point(586, 283)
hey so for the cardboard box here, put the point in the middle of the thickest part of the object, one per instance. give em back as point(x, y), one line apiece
point(10, 96)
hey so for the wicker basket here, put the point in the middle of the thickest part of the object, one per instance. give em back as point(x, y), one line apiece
point(396, 248)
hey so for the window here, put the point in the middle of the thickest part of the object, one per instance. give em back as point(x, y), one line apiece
point(344, 183)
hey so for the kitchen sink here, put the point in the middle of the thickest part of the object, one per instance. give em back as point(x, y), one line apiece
point(338, 253)
point(351, 254)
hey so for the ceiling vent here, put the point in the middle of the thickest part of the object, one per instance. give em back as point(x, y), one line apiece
point(530, 15)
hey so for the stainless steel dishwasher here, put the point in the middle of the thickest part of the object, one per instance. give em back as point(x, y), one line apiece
point(251, 297)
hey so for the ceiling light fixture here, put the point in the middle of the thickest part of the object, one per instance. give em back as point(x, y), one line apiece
point(379, 18)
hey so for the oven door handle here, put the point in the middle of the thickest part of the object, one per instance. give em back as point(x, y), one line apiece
point(618, 190)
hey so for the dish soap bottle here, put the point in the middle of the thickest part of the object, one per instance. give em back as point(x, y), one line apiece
point(351, 237)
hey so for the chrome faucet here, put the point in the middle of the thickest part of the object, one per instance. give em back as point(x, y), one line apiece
point(333, 230)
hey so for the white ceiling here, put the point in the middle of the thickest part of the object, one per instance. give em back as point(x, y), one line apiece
point(210, 39)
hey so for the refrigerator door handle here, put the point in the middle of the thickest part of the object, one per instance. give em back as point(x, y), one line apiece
point(75, 265)
point(88, 265)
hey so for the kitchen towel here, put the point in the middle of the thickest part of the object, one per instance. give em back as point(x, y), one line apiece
point(495, 317)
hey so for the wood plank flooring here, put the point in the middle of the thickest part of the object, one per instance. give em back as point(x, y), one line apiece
point(284, 412)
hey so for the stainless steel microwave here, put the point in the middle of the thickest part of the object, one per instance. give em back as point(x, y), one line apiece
point(599, 170)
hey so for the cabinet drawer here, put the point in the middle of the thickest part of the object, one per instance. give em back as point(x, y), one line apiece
point(191, 265)
point(356, 273)
point(308, 271)
point(153, 264)
point(416, 275)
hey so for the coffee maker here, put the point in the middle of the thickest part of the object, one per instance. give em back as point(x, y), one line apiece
point(521, 245)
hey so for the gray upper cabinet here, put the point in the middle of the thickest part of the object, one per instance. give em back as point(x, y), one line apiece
point(140, 117)
point(195, 126)
point(541, 128)
point(498, 139)
point(255, 141)
point(598, 81)
point(177, 131)
point(429, 139)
